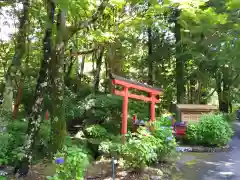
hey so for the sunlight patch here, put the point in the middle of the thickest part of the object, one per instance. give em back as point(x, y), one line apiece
point(212, 163)
point(227, 173)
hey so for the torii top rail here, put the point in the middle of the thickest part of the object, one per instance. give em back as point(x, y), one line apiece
point(130, 84)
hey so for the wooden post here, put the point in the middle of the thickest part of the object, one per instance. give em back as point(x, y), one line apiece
point(125, 111)
point(46, 115)
point(152, 109)
point(133, 123)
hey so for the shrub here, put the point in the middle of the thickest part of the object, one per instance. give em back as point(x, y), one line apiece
point(101, 109)
point(6, 140)
point(143, 148)
point(193, 135)
point(96, 134)
point(13, 141)
point(231, 117)
point(164, 120)
point(169, 142)
point(96, 131)
point(70, 163)
point(211, 130)
point(112, 148)
point(140, 151)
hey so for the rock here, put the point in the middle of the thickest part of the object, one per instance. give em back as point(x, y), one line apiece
point(183, 149)
point(202, 149)
point(79, 135)
point(3, 173)
point(156, 177)
point(146, 177)
point(153, 171)
point(123, 173)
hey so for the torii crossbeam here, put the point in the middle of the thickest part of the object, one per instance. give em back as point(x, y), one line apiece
point(153, 98)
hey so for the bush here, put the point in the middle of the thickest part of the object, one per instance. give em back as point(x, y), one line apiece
point(101, 109)
point(231, 117)
point(13, 141)
point(6, 140)
point(111, 148)
point(143, 148)
point(211, 130)
point(193, 135)
point(164, 120)
point(70, 163)
point(169, 142)
point(140, 151)
point(96, 131)
point(96, 134)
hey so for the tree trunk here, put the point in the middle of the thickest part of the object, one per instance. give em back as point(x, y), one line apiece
point(106, 75)
point(20, 50)
point(109, 64)
point(179, 60)
point(220, 91)
point(150, 58)
point(82, 69)
point(94, 57)
point(81, 73)
point(58, 124)
point(225, 102)
point(22, 167)
point(47, 51)
point(18, 99)
point(150, 62)
point(69, 69)
point(98, 70)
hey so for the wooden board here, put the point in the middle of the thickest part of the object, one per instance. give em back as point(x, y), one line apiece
point(196, 107)
point(190, 116)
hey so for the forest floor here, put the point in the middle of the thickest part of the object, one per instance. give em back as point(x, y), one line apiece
point(99, 170)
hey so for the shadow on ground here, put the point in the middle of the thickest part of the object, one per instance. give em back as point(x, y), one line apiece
point(211, 166)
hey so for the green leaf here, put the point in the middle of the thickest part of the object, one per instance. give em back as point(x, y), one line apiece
point(233, 4)
point(118, 3)
point(63, 4)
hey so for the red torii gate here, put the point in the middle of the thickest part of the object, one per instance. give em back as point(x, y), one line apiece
point(153, 92)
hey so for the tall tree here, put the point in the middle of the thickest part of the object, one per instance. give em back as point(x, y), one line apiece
point(99, 63)
point(179, 58)
point(20, 50)
point(22, 167)
point(58, 123)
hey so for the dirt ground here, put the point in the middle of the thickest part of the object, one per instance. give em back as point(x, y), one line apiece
point(99, 170)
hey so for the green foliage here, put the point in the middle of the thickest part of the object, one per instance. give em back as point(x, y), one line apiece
point(233, 4)
point(212, 130)
point(93, 108)
point(96, 131)
point(163, 120)
point(101, 109)
point(193, 135)
point(13, 140)
point(73, 109)
point(143, 148)
point(6, 140)
point(75, 162)
point(210, 54)
point(103, 106)
point(141, 151)
point(96, 135)
point(230, 117)
point(27, 96)
point(111, 148)
point(169, 143)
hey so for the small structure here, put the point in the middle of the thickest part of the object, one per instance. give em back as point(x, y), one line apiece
point(191, 112)
point(130, 84)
